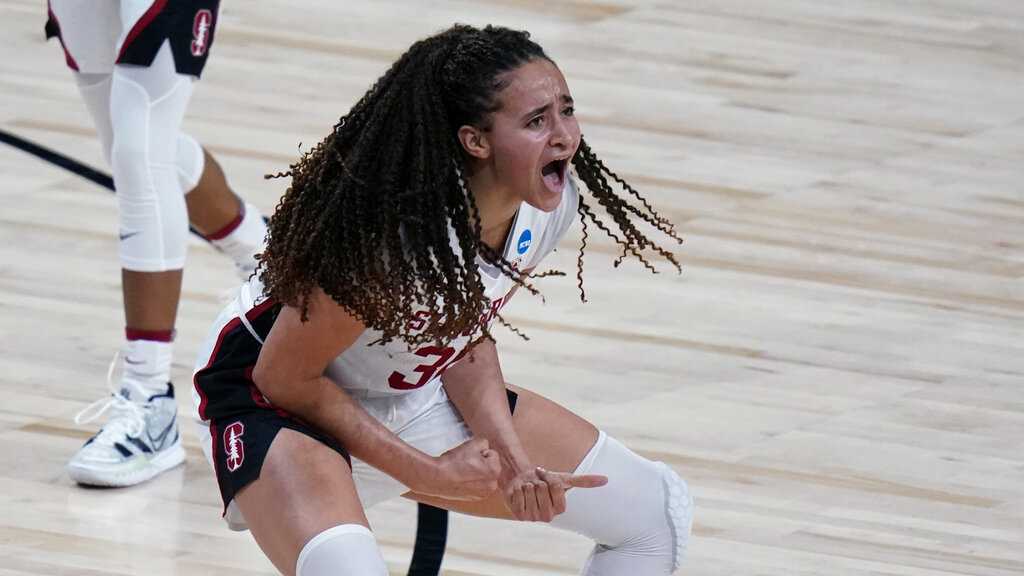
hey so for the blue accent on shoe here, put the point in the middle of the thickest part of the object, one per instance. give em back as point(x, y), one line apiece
point(168, 394)
point(123, 450)
point(161, 439)
point(139, 444)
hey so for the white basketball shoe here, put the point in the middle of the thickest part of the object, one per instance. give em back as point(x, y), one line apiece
point(139, 441)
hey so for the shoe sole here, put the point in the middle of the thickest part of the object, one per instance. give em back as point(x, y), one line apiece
point(131, 473)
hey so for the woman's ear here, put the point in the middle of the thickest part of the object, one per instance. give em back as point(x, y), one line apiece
point(474, 142)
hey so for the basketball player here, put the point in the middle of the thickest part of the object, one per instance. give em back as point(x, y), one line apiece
point(134, 63)
point(357, 365)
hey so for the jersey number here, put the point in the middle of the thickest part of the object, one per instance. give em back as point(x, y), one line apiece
point(427, 371)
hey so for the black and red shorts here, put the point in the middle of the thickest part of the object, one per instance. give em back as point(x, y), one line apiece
point(242, 422)
point(94, 36)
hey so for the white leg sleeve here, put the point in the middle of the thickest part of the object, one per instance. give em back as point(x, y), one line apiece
point(95, 91)
point(344, 550)
point(245, 241)
point(640, 520)
point(147, 105)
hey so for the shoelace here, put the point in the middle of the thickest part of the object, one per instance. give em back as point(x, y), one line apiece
point(126, 417)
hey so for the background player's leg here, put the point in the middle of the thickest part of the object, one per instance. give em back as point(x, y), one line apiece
point(232, 226)
point(95, 92)
point(640, 520)
point(147, 106)
point(140, 439)
point(150, 298)
point(304, 507)
point(211, 203)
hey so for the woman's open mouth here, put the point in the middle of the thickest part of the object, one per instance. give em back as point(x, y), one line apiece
point(553, 174)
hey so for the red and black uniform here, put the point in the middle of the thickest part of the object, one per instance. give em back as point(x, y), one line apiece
point(96, 34)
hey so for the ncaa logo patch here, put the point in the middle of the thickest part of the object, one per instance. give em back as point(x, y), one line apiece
point(523, 244)
point(234, 446)
point(201, 25)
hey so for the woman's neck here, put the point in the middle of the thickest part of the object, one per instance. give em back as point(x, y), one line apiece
point(497, 209)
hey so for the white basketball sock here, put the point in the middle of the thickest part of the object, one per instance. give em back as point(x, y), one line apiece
point(147, 364)
point(241, 241)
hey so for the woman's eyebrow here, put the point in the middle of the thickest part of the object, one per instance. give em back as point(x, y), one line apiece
point(566, 99)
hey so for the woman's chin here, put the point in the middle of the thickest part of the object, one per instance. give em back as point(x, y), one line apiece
point(547, 197)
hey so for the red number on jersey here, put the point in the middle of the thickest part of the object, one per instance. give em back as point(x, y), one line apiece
point(427, 371)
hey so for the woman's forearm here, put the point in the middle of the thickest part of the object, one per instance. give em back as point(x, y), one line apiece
point(477, 389)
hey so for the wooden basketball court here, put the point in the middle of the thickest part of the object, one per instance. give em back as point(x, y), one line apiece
point(839, 372)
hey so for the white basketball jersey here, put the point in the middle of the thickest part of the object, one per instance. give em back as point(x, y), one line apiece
point(391, 369)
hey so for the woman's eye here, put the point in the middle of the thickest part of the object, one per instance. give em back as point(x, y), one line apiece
point(536, 122)
point(569, 111)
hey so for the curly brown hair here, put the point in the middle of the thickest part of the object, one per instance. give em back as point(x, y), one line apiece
point(373, 209)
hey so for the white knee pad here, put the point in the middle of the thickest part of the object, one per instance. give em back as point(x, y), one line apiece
point(344, 550)
point(95, 91)
point(640, 520)
point(679, 509)
point(190, 162)
point(147, 105)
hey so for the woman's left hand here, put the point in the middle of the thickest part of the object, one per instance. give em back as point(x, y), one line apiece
point(538, 495)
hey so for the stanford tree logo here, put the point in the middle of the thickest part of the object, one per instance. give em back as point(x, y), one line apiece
point(234, 446)
point(201, 32)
